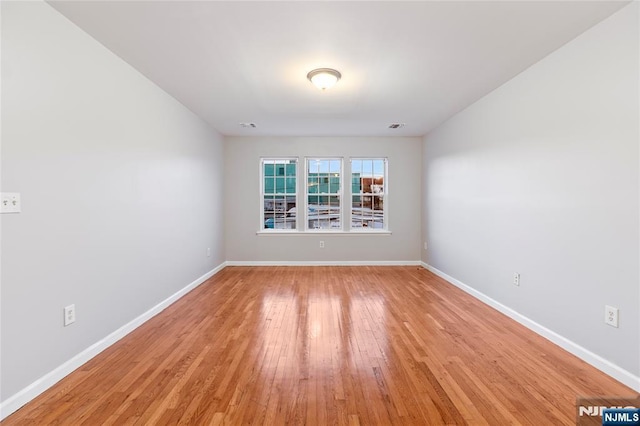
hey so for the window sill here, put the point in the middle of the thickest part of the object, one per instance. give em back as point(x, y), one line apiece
point(328, 232)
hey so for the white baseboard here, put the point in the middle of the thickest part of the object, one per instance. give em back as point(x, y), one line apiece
point(324, 263)
point(586, 355)
point(14, 402)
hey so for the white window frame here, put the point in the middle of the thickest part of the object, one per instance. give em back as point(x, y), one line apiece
point(340, 195)
point(263, 161)
point(384, 194)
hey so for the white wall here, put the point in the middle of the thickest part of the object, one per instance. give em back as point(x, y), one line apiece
point(121, 188)
point(541, 177)
point(242, 189)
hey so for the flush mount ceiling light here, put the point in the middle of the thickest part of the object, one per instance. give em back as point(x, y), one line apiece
point(324, 78)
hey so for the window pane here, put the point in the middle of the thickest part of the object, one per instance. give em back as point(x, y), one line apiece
point(269, 212)
point(378, 203)
point(268, 169)
point(355, 183)
point(377, 213)
point(319, 178)
point(367, 168)
point(334, 212)
point(356, 166)
point(367, 210)
point(290, 185)
point(324, 213)
point(378, 167)
point(366, 184)
point(314, 202)
point(269, 185)
point(322, 191)
point(289, 217)
point(277, 213)
point(334, 185)
point(279, 189)
point(356, 212)
point(312, 185)
point(314, 212)
point(378, 175)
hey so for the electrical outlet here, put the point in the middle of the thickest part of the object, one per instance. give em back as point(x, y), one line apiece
point(321, 244)
point(611, 316)
point(425, 245)
point(10, 202)
point(208, 252)
point(69, 315)
point(516, 279)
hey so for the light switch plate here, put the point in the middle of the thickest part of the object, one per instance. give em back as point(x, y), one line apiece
point(10, 202)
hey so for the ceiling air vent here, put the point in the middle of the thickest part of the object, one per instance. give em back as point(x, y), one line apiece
point(396, 125)
point(248, 125)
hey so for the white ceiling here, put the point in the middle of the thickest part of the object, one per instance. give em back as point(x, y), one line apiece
point(410, 62)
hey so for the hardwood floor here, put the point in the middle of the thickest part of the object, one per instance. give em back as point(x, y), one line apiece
point(325, 345)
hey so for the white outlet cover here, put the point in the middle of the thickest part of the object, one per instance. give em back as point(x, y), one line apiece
point(611, 316)
point(69, 315)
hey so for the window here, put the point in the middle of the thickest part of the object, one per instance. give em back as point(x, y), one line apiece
point(279, 193)
point(323, 194)
point(322, 191)
point(368, 184)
